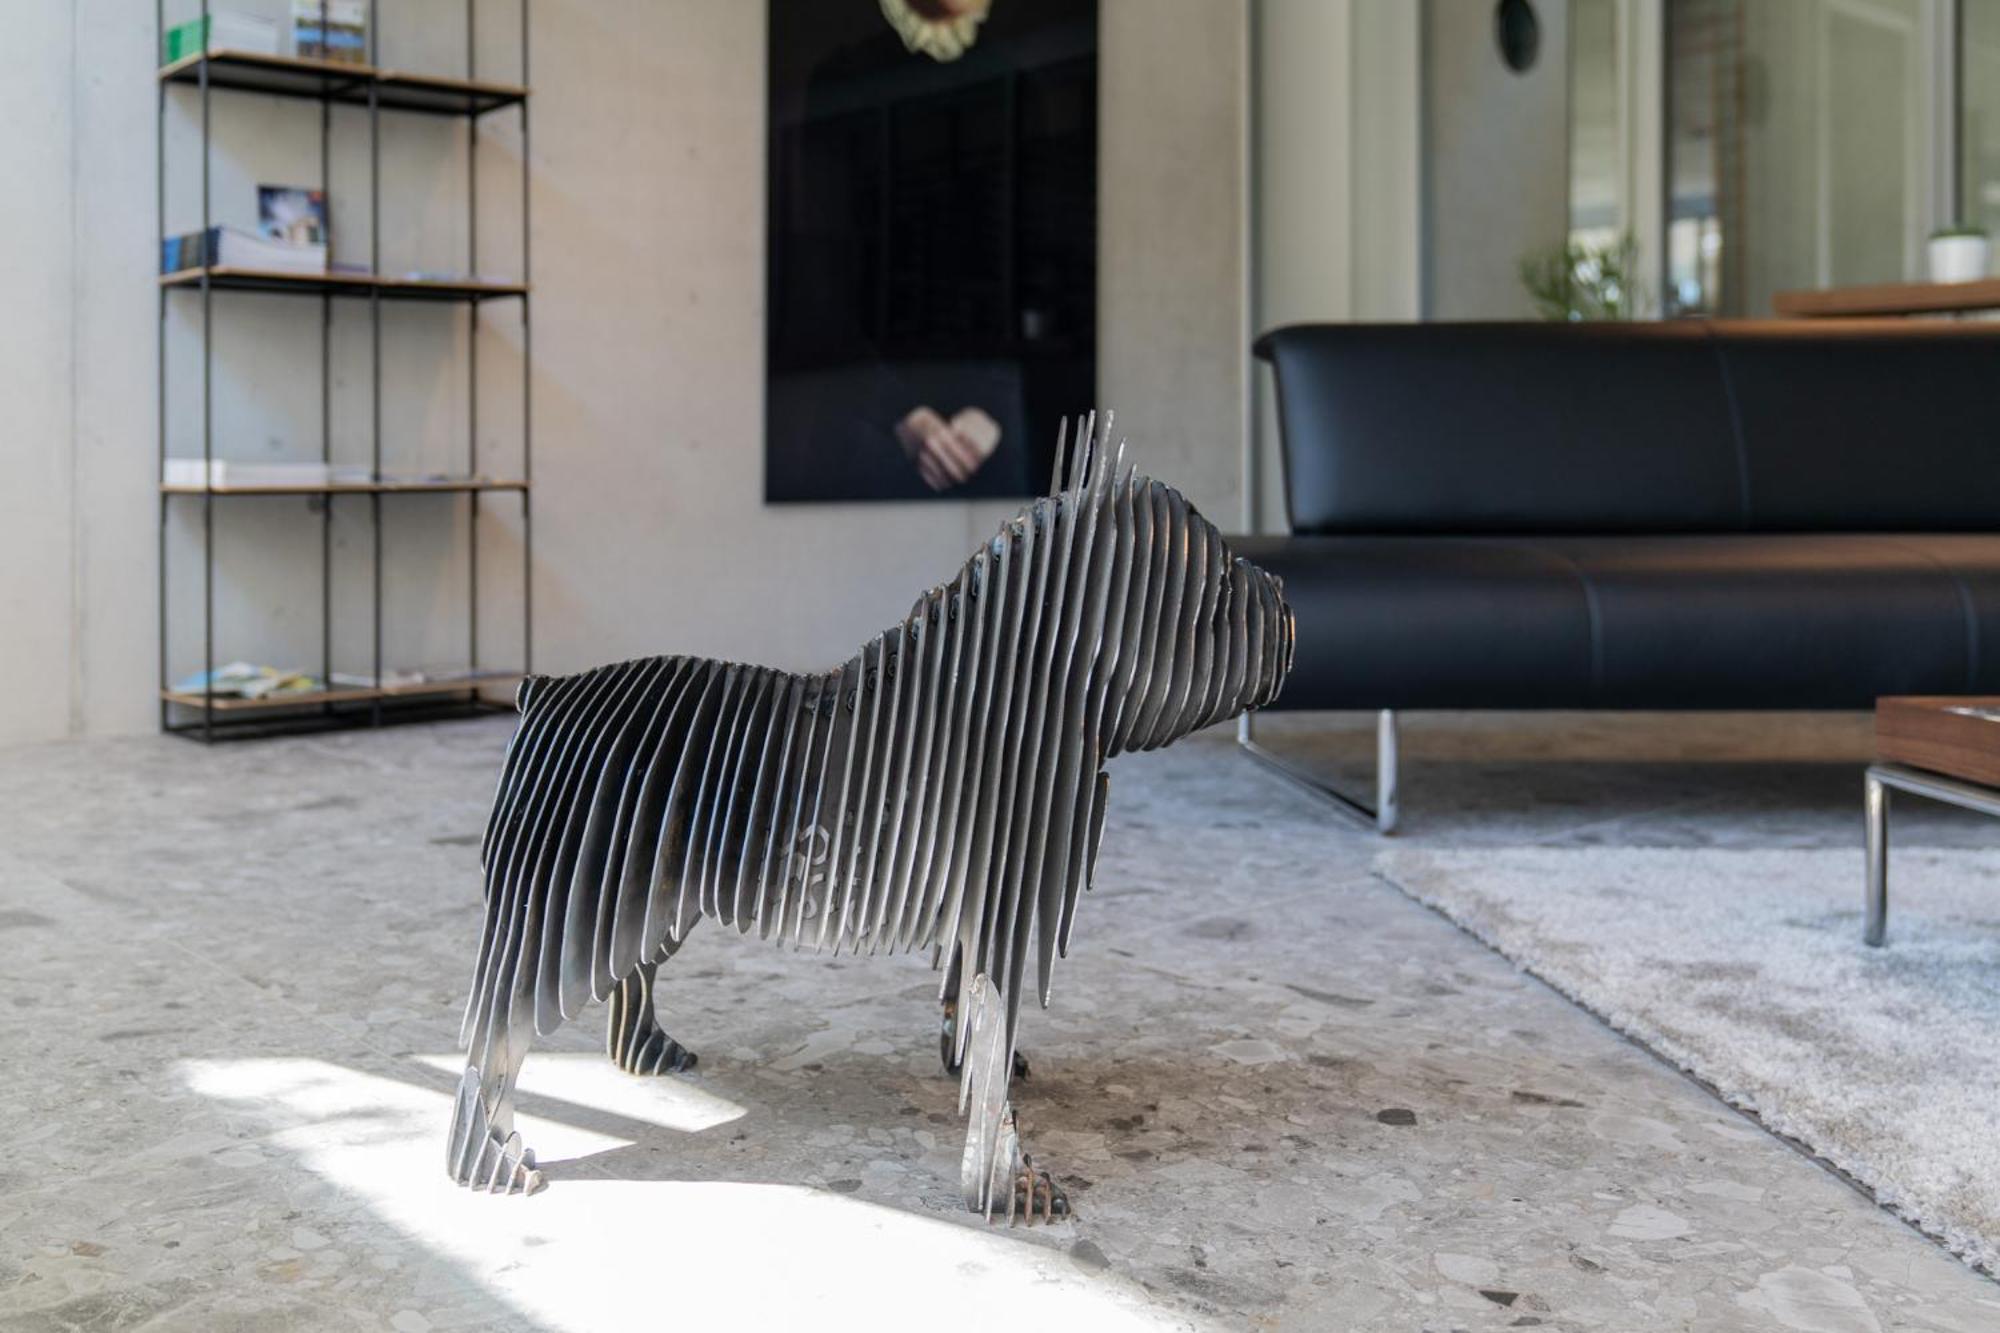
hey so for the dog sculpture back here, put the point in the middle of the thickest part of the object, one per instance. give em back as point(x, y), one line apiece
point(943, 789)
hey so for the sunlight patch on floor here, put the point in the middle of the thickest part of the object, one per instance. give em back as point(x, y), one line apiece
point(588, 1079)
point(330, 1109)
point(590, 1254)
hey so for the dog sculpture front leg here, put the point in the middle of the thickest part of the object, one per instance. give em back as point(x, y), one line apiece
point(484, 1151)
point(948, 1028)
point(995, 1173)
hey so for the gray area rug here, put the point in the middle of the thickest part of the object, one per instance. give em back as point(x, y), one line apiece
point(1746, 968)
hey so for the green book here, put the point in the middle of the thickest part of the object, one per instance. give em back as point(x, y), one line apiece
point(225, 31)
point(184, 39)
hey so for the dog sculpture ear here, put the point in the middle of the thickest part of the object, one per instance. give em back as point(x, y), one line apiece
point(1060, 477)
point(1081, 453)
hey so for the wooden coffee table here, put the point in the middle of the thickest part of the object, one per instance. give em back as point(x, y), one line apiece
point(1942, 747)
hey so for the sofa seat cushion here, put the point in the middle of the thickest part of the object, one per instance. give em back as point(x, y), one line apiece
point(1699, 621)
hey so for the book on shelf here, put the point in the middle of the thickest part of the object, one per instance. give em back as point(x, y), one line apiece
point(226, 246)
point(292, 215)
point(335, 30)
point(227, 30)
point(222, 473)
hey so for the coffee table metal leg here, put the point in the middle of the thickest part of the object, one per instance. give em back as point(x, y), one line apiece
point(1875, 800)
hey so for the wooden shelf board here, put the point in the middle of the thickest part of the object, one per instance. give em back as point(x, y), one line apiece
point(1890, 298)
point(299, 76)
point(386, 486)
point(344, 694)
point(403, 91)
point(235, 277)
point(449, 288)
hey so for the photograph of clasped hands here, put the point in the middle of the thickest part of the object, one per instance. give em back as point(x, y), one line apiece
point(946, 452)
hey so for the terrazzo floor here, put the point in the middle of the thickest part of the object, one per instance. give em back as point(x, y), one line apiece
point(1281, 1095)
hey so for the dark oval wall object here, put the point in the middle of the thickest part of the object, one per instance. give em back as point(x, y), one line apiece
point(1518, 33)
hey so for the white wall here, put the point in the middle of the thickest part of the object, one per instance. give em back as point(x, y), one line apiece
point(650, 533)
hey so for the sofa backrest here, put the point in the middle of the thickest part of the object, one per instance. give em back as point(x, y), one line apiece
point(1683, 426)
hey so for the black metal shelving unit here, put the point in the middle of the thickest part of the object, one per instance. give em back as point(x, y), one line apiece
point(205, 715)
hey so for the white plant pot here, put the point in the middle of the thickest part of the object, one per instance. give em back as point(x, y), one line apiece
point(1958, 258)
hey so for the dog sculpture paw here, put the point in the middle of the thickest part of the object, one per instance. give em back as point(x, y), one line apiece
point(633, 1037)
point(656, 1053)
point(481, 1158)
point(1035, 1191)
point(503, 1166)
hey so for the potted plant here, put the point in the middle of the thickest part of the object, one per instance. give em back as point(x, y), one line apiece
point(1580, 281)
point(1959, 253)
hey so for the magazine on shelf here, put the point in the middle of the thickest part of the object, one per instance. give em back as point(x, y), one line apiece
point(248, 680)
point(344, 36)
point(292, 215)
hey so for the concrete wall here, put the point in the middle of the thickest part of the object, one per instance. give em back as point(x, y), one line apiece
point(651, 417)
point(37, 331)
point(650, 533)
point(1495, 159)
point(1335, 193)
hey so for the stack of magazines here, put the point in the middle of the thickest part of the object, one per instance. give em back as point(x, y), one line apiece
point(222, 473)
point(247, 680)
point(291, 237)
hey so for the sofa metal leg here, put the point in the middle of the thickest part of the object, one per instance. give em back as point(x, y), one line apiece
point(1382, 817)
point(1875, 803)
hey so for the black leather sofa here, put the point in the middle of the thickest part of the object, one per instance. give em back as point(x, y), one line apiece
point(1644, 516)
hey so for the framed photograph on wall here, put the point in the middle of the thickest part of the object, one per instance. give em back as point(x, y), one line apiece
point(932, 245)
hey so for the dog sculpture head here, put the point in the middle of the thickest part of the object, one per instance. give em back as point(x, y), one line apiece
point(1114, 591)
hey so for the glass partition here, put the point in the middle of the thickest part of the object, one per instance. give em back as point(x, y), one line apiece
point(1798, 149)
point(1979, 114)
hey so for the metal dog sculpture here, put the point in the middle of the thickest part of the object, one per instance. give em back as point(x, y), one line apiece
point(943, 789)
